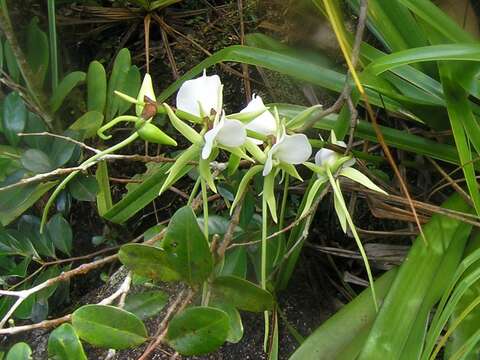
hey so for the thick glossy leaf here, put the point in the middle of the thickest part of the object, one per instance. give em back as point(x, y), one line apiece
point(242, 294)
point(37, 51)
point(88, 124)
point(235, 263)
point(36, 161)
point(130, 87)
point(96, 88)
point(148, 261)
point(121, 67)
point(67, 84)
point(60, 232)
point(83, 188)
point(109, 327)
point(29, 226)
point(63, 344)
point(104, 196)
point(235, 331)
point(14, 202)
point(34, 125)
point(146, 304)
point(198, 330)
point(14, 117)
point(403, 304)
point(187, 248)
point(11, 62)
point(342, 335)
point(19, 351)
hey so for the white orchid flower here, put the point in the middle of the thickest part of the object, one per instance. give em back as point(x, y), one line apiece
point(226, 132)
point(290, 149)
point(328, 158)
point(265, 123)
point(200, 96)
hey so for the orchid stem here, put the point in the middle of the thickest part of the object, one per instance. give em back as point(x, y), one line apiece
point(194, 192)
point(263, 274)
point(205, 231)
point(85, 165)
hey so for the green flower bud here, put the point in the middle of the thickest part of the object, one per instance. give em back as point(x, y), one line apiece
point(153, 134)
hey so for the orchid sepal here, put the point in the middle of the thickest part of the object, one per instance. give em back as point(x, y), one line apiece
point(299, 120)
point(206, 174)
point(189, 133)
point(174, 173)
point(255, 151)
point(291, 170)
point(189, 117)
point(312, 192)
point(357, 176)
point(237, 151)
point(247, 177)
point(128, 98)
point(269, 193)
point(246, 117)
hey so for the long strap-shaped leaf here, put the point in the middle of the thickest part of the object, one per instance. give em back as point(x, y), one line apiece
point(413, 283)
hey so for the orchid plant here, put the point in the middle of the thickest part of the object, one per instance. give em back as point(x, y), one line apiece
point(266, 142)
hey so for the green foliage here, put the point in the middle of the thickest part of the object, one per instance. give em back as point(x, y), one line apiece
point(146, 304)
point(242, 294)
point(64, 344)
point(109, 327)
point(19, 351)
point(198, 330)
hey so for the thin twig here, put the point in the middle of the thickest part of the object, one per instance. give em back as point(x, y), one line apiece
point(66, 138)
point(180, 302)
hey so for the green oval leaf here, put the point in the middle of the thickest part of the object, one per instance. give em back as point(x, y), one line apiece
point(146, 304)
point(36, 161)
point(109, 327)
point(198, 330)
point(11, 61)
point(88, 124)
point(242, 294)
point(19, 351)
point(37, 51)
point(147, 261)
point(64, 87)
point(235, 331)
point(63, 344)
point(121, 67)
point(187, 248)
point(84, 188)
point(14, 117)
point(96, 87)
point(60, 233)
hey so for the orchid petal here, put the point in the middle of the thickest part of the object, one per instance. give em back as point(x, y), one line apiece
point(200, 95)
point(145, 90)
point(210, 137)
point(293, 149)
point(265, 123)
point(232, 133)
point(325, 156)
point(267, 168)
